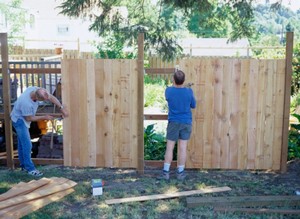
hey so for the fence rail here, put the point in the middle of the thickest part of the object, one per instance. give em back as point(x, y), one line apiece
point(25, 74)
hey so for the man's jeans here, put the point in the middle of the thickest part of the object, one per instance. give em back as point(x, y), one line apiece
point(24, 145)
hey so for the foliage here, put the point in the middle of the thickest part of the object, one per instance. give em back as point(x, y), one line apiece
point(155, 144)
point(164, 21)
point(113, 48)
point(271, 26)
point(295, 102)
point(154, 92)
point(15, 20)
point(296, 70)
point(294, 140)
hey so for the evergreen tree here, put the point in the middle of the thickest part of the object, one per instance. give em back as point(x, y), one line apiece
point(164, 20)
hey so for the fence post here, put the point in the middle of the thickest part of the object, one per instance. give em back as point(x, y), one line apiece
point(287, 99)
point(140, 119)
point(6, 101)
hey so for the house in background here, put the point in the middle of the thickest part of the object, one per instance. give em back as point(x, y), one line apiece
point(47, 24)
point(48, 29)
point(215, 47)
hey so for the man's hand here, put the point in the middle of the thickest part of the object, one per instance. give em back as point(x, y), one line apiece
point(64, 112)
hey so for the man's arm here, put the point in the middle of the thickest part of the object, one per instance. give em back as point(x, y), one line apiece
point(62, 108)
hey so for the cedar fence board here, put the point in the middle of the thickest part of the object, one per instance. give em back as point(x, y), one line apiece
point(257, 211)
point(242, 201)
point(166, 196)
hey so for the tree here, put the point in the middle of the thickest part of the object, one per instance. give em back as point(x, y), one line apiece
point(14, 20)
point(163, 20)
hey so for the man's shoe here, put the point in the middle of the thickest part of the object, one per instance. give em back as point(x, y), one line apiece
point(35, 173)
point(181, 175)
point(164, 176)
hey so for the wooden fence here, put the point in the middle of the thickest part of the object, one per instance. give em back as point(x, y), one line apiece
point(237, 124)
point(241, 119)
point(102, 99)
point(20, 54)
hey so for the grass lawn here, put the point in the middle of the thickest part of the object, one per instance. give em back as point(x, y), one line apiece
point(121, 183)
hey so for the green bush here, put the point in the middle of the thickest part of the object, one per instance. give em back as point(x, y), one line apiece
point(155, 144)
point(294, 140)
point(295, 101)
point(154, 93)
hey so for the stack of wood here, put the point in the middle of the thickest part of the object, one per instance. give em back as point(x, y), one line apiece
point(249, 204)
point(25, 198)
point(51, 146)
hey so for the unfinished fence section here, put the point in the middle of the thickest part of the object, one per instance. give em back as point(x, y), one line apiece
point(238, 121)
point(101, 96)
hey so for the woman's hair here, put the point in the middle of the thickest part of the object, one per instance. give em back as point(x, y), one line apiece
point(179, 77)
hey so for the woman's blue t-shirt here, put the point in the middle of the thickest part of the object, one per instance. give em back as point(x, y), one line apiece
point(180, 101)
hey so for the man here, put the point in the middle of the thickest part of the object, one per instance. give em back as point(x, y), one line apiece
point(180, 102)
point(22, 115)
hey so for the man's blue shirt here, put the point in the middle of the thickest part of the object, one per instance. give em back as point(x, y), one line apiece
point(180, 101)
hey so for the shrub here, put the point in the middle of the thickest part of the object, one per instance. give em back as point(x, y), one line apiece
point(155, 144)
point(294, 140)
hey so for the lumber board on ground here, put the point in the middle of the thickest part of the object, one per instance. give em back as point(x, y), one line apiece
point(57, 185)
point(166, 196)
point(258, 211)
point(21, 189)
point(23, 209)
point(242, 201)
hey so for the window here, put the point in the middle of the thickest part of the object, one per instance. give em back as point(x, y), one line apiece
point(63, 29)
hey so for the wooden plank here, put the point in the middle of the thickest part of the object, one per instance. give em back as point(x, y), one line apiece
point(269, 112)
point(140, 105)
point(225, 116)
point(23, 209)
point(149, 116)
point(24, 189)
point(101, 108)
point(257, 211)
point(82, 131)
point(67, 122)
point(133, 112)
point(279, 94)
point(108, 113)
point(208, 114)
point(91, 113)
point(35, 70)
point(234, 90)
point(243, 117)
point(39, 161)
point(217, 120)
point(260, 118)
point(6, 100)
point(75, 109)
point(117, 130)
point(56, 185)
point(159, 70)
point(158, 163)
point(287, 99)
point(195, 149)
point(4, 153)
point(252, 114)
point(166, 196)
point(242, 201)
point(125, 116)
